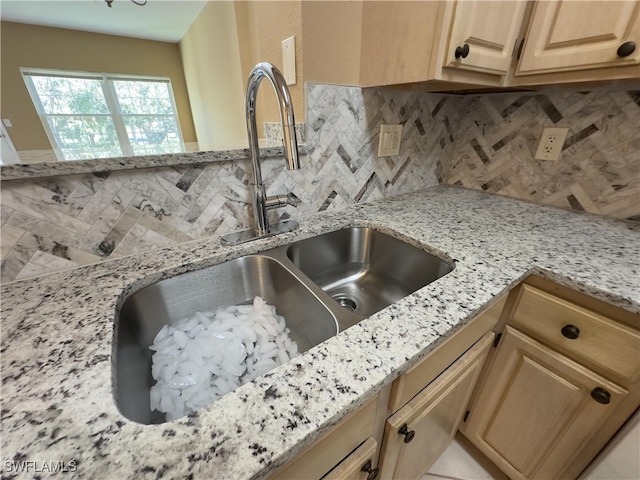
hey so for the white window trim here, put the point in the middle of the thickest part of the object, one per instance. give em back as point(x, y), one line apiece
point(115, 112)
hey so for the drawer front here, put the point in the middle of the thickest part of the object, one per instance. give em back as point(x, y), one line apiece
point(327, 452)
point(590, 337)
point(358, 465)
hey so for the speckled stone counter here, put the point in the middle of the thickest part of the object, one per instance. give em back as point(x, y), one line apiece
point(268, 149)
point(57, 399)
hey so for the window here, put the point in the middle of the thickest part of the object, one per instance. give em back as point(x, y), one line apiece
point(89, 115)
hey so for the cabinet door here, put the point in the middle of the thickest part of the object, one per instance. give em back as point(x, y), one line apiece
point(358, 465)
point(490, 29)
point(417, 434)
point(579, 35)
point(536, 410)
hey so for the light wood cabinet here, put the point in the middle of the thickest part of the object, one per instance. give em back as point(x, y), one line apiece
point(499, 44)
point(563, 379)
point(416, 42)
point(536, 410)
point(417, 434)
point(580, 35)
point(484, 35)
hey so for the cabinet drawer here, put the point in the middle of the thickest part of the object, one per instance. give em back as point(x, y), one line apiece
point(327, 452)
point(358, 465)
point(600, 341)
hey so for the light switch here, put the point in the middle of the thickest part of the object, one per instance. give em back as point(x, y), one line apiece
point(289, 60)
point(390, 137)
point(7, 122)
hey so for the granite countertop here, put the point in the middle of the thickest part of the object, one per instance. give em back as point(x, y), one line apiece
point(228, 152)
point(57, 400)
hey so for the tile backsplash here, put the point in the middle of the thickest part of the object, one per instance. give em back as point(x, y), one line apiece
point(485, 142)
point(598, 170)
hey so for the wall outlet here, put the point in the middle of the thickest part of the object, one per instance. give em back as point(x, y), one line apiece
point(390, 137)
point(551, 143)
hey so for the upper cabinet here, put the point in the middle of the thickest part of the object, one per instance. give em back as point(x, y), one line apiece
point(566, 36)
point(483, 35)
point(438, 41)
point(467, 44)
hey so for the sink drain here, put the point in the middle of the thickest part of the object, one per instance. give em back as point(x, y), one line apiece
point(345, 302)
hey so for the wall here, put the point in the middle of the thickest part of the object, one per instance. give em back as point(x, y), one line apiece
point(262, 25)
point(481, 142)
point(56, 48)
point(599, 168)
point(211, 59)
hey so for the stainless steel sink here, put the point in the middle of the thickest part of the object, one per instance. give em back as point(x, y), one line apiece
point(363, 269)
point(238, 281)
point(320, 285)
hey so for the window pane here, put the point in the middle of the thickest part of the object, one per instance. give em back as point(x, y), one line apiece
point(138, 97)
point(70, 95)
point(91, 116)
point(80, 137)
point(150, 134)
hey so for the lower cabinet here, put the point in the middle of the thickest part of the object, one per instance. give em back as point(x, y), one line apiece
point(417, 434)
point(538, 408)
point(563, 379)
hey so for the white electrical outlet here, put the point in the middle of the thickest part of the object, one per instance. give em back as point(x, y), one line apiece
point(551, 143)
point(390, 137)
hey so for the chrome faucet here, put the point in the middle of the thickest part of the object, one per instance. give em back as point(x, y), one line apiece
point(262, 203)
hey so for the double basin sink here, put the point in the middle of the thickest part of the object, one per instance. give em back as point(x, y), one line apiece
point(321, 286)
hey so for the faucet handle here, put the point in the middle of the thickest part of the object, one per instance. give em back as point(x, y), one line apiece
point(276, 201)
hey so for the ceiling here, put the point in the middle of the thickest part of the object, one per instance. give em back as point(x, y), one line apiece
point(164, 20)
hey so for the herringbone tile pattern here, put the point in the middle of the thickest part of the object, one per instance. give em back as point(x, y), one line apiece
point(599, 168)
point(482, 142)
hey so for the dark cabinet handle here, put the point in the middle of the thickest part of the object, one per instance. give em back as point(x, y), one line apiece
point(373, 472)
point(626, 49)
point(570, 331)
point(600, 395)
point(408, 434)
point(462, 51)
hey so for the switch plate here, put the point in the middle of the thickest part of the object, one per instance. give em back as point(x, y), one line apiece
point(551, 143)
point(390, 137)
point(7, 122)
point(289, 60)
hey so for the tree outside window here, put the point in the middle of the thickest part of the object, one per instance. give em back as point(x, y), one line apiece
point(99, 116)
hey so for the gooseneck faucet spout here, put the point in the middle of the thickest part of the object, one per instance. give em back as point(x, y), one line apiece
point(260, 200)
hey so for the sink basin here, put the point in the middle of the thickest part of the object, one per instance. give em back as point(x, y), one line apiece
point(365, 270)
point(238, 281)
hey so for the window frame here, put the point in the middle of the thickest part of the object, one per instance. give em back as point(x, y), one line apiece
point(113, 105)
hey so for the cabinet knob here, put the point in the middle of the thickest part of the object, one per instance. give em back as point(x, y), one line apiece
point(463, 51)
point(626, 49)
point(368, 468)
point(570, 331)
point(408, 434)
point(600, 395)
